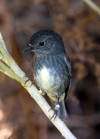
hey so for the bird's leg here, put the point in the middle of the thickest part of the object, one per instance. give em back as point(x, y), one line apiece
point(56, 108)
point(55, 111)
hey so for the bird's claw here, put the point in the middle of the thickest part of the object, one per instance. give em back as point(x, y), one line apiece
point(27, 79)
point(54, 115)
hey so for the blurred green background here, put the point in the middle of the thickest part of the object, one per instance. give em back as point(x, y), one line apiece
point(79, 26)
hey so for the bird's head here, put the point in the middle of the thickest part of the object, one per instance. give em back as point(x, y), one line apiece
point(45, 42)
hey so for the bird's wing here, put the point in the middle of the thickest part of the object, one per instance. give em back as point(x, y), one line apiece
point(68, 63)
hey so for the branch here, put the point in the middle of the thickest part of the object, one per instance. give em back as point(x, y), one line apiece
point(93, 6)
point(9, 67)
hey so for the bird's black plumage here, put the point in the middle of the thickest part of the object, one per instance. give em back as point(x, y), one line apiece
point(51, 67)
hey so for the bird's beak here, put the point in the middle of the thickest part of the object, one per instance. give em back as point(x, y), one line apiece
point(29, 48)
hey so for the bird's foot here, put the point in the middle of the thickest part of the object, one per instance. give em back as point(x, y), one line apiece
point(54, 115)
point(55, 112)
point(26, 80)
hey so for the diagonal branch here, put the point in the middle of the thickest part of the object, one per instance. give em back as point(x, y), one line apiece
point(9, 67)
point(95, 7)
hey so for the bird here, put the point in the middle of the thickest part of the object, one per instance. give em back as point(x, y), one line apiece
point(51, 68)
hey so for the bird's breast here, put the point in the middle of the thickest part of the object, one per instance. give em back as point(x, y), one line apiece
point(49, 80)
point(45, 79)
point(50, 74)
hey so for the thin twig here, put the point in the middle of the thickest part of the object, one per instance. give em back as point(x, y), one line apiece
point(93, 5)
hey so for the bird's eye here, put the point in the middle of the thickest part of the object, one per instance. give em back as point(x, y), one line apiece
point(41, 43)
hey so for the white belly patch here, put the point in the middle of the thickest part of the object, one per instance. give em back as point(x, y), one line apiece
point(46, 80)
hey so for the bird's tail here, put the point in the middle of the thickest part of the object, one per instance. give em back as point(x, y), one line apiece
point(61, 110)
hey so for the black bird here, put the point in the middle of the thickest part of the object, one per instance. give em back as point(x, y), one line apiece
point(51, 68)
